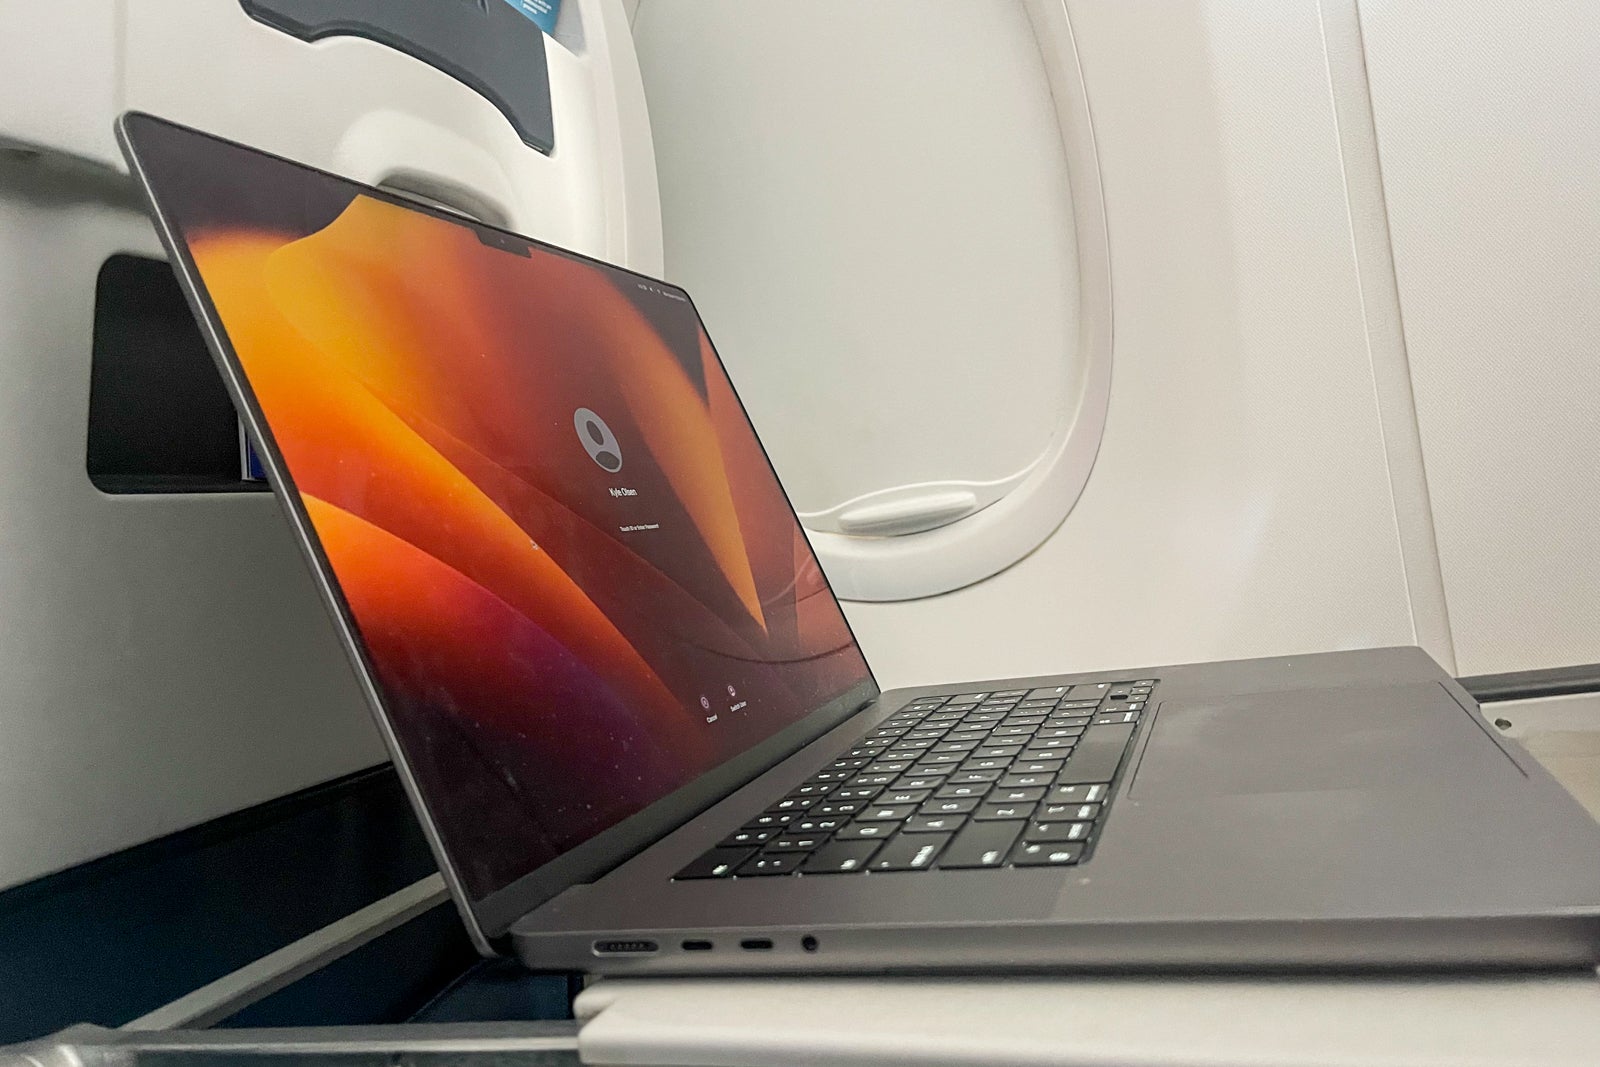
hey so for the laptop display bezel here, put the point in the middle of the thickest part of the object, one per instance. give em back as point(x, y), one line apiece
point(489, 917)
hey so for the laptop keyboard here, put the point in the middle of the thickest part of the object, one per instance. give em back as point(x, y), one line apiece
point(1017, 778)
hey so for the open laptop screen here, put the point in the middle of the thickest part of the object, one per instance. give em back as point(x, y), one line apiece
point(575, 580)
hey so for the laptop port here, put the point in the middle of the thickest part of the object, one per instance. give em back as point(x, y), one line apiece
point(697, 946)
point(756, 944)
point(640, 947)
point(808, 943)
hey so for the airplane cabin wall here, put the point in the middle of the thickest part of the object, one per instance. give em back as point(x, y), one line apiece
point(1486, 121)
point(1259, 486)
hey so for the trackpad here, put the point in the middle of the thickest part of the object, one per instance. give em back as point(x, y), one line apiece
point(1394, 737)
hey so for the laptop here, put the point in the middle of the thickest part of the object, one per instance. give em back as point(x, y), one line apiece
point(632, 717)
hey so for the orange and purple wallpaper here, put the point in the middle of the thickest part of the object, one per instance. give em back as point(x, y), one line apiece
point(577, 580)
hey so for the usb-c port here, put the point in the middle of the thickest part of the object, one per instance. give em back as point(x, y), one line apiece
point(697, 946)
point(756, 944)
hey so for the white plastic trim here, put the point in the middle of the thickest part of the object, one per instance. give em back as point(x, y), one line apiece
point(920, 496)
point(913, 565)
point(909, 512)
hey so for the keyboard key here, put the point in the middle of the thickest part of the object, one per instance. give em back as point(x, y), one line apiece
point(718, 863)
point(837, 774)
point(871, 781)
point(990, 812)
point(919, 780)
point(934, 759)
point(770, 820)
point(1024, 781)
point(854, 792)
point(909, 852)
point(845, 765)
point(993, 763)
point(981, 844)
point(1058, 831)
point(858, 831)
point(1145, 681)
point(815, 789)
point(770, 863)
point(1070, 812)
point(970, 698)
point(953, 806)
point(1029, 795)
point(840, 857)
point(1011, 730)
point(1098, 754)
point(957, 746)
point(1080, 794)
point(961, 777)
point(963, 789)
point(971, 738)
point(794, 803)
point(1116, 717)
point(1026, 704)
point(1058, 731)
point(808, 825)
point(904, 796)
point(1010, 693)
point(923, 735)
point(839, 807)
point(1031, 718)
point(1035, 755)
point(1068, 722)
point(1089, 690)
point(931, 824)
point(997, 752)
point(1077, 705)
point(1036, 766)
point(885, 812)
point(746, 838)
point(1046, 854)
point(1046, 744)
point(795, 843)
point(892, 767)
point(1053, 692)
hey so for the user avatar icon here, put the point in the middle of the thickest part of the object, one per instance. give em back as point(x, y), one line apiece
point(597, 439)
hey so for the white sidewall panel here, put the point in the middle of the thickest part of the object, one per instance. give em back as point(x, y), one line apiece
point(1488, 124)
point(1241, 504)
